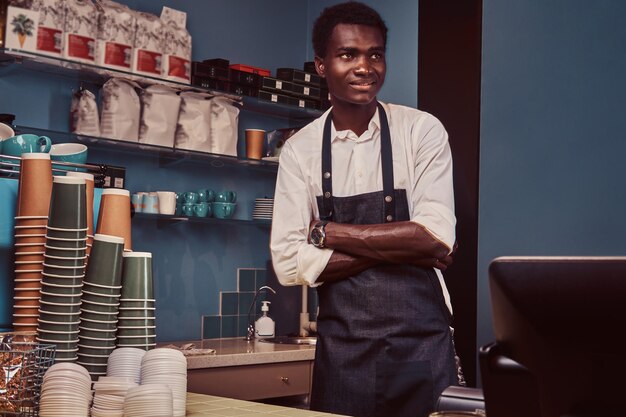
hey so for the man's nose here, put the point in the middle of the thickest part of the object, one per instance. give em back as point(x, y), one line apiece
point(362, 66)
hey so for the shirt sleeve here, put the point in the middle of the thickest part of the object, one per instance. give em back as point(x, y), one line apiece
point(295, 261)
point(433, 193)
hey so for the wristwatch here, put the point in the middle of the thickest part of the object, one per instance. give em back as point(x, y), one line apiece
point(318, 234)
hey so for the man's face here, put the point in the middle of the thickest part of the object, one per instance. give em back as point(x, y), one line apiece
point(354, 65)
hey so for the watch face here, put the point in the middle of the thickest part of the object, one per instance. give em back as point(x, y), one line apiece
point(316, 236)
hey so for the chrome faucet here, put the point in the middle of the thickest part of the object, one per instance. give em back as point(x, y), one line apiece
point(250, 333)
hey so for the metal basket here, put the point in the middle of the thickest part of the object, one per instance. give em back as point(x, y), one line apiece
point(21, 374)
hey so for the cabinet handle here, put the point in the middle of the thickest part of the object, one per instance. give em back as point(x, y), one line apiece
point(285, 379)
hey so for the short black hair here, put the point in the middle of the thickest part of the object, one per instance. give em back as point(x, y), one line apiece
point(350, 13)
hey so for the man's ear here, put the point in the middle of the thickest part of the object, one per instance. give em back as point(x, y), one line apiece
point(319, 67)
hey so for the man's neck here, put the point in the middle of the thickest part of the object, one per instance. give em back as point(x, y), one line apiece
point(353, 117)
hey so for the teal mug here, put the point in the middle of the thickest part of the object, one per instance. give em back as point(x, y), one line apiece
point(223, 210)
point(26, 143)
point(190, 197)
point(202, 209)
point(205, 195)
point(188, 209)
point(75, 153)
point(226, 197)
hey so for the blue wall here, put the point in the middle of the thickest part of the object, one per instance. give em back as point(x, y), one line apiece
point(552, 133)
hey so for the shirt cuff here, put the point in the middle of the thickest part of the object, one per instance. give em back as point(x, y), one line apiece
point(311, 262)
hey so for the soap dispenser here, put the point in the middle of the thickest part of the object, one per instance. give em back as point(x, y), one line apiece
point(264, 326)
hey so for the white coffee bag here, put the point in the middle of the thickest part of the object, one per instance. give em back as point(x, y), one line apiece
point(193, 130)
point(21, 25)
point(148, 52)
point(116, 35)
point(81, 29)
point(160, 106)
point(121, 110)
point(224, 126)
point(177, 46)
point(84, 118)
point(51, 26)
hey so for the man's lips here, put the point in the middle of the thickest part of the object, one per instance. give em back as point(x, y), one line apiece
point(363, 85)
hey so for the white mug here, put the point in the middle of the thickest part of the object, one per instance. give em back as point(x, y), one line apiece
point(167, 202)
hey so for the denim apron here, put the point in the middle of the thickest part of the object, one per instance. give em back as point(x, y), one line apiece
point(384, 345)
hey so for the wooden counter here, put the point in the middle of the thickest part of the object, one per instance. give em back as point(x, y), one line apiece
point(199, 405)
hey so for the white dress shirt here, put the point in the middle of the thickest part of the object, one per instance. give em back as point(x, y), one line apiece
point(422, 165)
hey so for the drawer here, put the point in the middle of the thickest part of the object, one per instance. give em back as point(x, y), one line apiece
point(252, 382)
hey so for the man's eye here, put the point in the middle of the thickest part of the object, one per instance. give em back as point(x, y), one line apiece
point(346, 55)
point(377, 56)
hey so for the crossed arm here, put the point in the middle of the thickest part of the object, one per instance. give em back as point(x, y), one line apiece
point(359, 247)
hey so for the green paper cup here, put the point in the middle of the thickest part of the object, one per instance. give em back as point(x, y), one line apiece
point(105, 261)
point(68, 203)
point(137, 276)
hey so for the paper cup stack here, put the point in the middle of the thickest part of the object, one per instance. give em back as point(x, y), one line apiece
point(114, 215)
point(136, 321)
point(126, 363)
point(109, 394)
point(169, 367)
point(35, 188)
point(99, 304)
point(63, 267)
point(89, 183)
point(65, 391)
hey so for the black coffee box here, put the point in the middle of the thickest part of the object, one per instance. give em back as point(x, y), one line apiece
point(298, 76)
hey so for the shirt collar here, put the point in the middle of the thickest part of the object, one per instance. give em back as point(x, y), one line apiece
point(348, 134)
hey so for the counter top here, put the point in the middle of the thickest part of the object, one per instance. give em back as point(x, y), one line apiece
point(237, 352)
point(201, 405)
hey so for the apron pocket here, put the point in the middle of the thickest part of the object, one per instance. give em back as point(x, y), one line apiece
point(403, 389)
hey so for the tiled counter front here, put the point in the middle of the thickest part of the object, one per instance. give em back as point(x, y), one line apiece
point(250, 371)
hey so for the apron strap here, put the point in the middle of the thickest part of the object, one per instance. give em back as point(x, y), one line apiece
point(386, 156)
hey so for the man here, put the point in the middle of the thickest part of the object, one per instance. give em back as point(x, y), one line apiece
point(364, 210)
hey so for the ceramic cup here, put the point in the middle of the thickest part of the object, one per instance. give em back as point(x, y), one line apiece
point(137, 201)
point(26, 143)
point(151, 203)
point(75, 153)
point(202, 209)
point(167, 202)
point(5, 132)
point(226, 196)
point(205, 195)
point(190, 197)
point(187, 209)
point(223, 210)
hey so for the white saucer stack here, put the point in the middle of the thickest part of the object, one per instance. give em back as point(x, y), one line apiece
point(65, 391)
point(263, 208)
point(126, 363)
point(150, 400)
point(109, 395)
point(169, 367)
